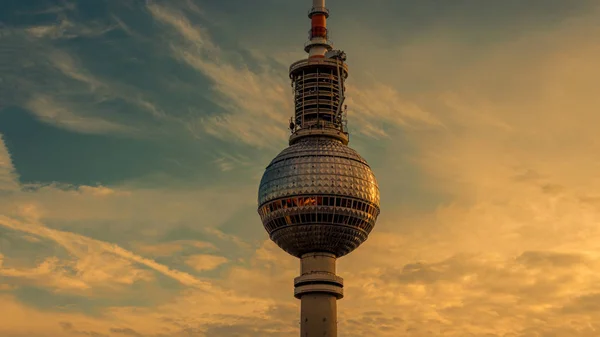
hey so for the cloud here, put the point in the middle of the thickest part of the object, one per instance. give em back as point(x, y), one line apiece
point(17, 318)
point(52, 82)
point(198, 307)
point(48, 110)
point(255, 103)
point(64, 109)
point(515, 243)
point(170, 248)
point(508, 144)
point(104, 88)
point(517, 125)
point(61, 28)
point(65, 29)
point(158, 208)
point(506, 295)
point(94, 269)
point(69, 67)
point(377, 105)
point(125, 331)
point(49, 273)
point(228, 162)
point(203, 262)
point(97, 261)
point(8, 175)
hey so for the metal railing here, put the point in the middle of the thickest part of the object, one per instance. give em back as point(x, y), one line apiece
point(318, 10)
point(318, 61)
point(318, 41)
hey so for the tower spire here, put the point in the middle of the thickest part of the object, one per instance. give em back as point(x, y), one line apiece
point(318, 38)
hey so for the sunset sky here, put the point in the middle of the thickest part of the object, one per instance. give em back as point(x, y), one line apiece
point(133, 135)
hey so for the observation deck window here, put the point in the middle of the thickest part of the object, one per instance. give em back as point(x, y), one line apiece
point(327, 201)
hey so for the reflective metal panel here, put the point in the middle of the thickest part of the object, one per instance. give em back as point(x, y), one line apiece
point(318, 195)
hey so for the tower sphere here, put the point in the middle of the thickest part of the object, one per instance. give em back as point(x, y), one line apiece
point(318, 195)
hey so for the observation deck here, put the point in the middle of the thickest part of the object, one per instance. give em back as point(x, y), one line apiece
point(317, 98)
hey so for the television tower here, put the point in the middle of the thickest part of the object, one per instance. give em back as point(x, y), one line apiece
point(318, 199)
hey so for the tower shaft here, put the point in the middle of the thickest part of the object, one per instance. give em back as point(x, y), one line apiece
point(318, 315)
point(318, 288)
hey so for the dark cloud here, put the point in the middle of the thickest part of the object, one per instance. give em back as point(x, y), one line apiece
point(67, 326)
point(92, 334)
point(249, 330)
point(552, 189)
point(125, 331)
point(487, 292)
point(535, 259)
point(372, 320)
point(588, 304)
point(528, 175)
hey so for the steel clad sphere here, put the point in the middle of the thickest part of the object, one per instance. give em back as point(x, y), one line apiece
point(318, 195)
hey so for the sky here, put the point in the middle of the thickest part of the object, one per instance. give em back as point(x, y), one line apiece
point(133, 135)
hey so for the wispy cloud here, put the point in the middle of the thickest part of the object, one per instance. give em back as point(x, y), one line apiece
point(66, 29)
point(64, 110)
point(49, 273)
point(377, 106)
point(105, 89)
point(99, 262)
point(509, 295)
point(92, 267)
point(255, 102)
point(8, 175)
point(62, 114)
point(129, 206)
point(170, 248)
point(56, 86)
point(204, 262)
point(62, 27)
point(227, 162)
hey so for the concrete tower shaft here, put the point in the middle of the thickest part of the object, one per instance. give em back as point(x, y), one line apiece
point(318, 289)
